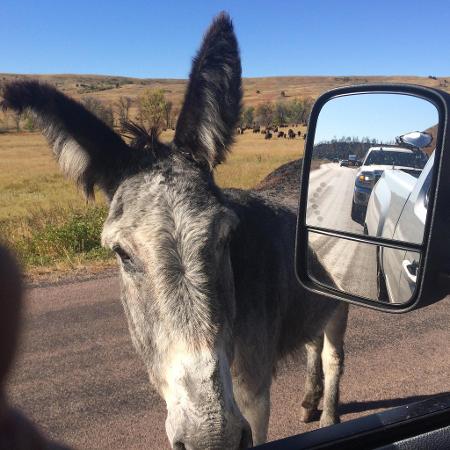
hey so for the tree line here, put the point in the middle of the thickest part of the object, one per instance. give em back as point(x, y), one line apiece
point(152, 109)
point(267, 114)
point(344, 146)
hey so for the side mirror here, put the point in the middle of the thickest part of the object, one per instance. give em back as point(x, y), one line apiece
point(375, 197)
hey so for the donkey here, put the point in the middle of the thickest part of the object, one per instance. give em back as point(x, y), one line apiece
point(207, 275)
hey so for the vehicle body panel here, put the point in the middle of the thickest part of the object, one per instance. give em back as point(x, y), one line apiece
point(397, 209)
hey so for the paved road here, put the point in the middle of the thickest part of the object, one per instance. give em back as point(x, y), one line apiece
point(78, 377)
point(330, 196)
point(329, 206)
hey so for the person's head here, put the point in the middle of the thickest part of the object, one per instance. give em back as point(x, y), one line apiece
point(10, 302)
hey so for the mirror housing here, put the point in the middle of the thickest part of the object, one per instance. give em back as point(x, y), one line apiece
point(433, 274)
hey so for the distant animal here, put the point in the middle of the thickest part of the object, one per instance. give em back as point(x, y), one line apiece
point(291, 134)
point(240, 130)
point(280, 134)
point(267, 134)
point(207, 274)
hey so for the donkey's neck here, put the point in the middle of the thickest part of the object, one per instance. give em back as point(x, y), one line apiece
point(269, 298)
point(262, 252)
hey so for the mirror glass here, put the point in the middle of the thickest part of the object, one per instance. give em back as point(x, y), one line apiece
point(371, 166)
point(374, 272)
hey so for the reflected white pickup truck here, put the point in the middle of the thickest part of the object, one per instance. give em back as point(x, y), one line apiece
point(397, 209)
point(377, 160)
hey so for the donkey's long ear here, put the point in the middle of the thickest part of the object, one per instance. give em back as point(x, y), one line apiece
point(87, 150)
point(212, 103)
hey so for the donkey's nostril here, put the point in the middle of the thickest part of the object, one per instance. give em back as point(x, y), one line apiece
point(246, 439)
point(179, 446)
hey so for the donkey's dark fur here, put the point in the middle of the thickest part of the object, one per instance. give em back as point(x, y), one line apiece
point(213, 97)
point(208, 281)
point(79, 139)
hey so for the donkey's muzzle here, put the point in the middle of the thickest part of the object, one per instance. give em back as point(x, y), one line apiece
point(245, 441)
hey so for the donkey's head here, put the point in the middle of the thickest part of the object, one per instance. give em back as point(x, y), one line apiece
point(170, 229)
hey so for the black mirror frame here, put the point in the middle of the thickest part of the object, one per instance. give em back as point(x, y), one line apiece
point(434, 271)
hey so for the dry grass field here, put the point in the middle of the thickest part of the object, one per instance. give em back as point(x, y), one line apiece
point(253, 158)
point(29, 177)
point(49, 223)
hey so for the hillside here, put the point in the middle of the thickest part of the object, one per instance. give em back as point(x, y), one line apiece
point(47, 222)
point(256, 90)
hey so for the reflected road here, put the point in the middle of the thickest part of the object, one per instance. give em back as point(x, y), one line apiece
point(330, 196)
point(351, 265)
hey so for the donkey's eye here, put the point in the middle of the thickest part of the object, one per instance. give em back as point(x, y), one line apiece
point(122, 254)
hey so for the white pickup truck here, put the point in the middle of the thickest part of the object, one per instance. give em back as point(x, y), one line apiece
point(376, 161)
point(397, 209)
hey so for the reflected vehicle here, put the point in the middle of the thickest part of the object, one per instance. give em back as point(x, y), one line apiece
point(409, 160)
point(352, 160)
point(397, 209)
point(343, 163)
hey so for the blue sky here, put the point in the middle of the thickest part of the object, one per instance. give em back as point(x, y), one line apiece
point(158, 39)
point(377, 116)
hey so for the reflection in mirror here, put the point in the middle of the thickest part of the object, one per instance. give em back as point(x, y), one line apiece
point(373, 153)
point(371, 271)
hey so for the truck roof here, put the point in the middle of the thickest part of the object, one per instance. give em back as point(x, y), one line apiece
point(390, 149)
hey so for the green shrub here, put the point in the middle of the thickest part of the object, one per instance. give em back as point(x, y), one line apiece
point(60, 234)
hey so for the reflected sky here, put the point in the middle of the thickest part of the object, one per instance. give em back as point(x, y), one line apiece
point(376, 116)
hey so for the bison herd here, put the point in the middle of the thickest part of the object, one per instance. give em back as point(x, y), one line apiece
point(269, 131)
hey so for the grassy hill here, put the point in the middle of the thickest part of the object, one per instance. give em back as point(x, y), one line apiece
point(256, 90)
